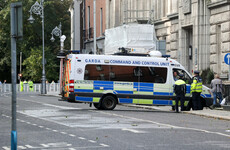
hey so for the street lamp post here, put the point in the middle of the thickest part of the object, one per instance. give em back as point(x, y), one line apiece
point(38, 9)
point(58, 32)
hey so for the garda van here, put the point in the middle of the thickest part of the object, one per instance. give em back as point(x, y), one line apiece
point(108, 80)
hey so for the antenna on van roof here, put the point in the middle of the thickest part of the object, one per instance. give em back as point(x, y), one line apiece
point(126, 52)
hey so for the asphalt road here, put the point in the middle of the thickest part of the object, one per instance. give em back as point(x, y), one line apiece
point(45, 123)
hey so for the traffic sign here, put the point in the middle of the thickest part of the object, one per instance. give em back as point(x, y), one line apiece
point(227, 58)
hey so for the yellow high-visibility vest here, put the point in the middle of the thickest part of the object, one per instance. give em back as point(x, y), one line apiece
point(196, 85)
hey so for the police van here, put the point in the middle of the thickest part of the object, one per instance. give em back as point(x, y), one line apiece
point(108, 80)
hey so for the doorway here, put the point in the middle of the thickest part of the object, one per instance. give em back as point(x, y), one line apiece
point(189, 49)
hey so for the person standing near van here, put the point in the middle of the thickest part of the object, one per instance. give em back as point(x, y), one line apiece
point(4, 86)
point(21, 86)
point(31, 85)
point(216, 89)
point(175, 78)
point(196, 89)
point(180, 91)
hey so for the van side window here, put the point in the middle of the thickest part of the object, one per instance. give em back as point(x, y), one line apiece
point(125, 73)
point(137, 72)
point(96, 72)
point(154, 74)
point(110, 73)
point(187, 78)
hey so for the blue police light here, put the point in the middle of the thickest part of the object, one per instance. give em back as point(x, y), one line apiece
point(166, 56)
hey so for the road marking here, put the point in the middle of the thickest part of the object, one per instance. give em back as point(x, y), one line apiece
point(28, 122)
point(132, 130)
point(161, 124)
point(81, 138)
point(149, 121)
point(61, 107)
point(45, 104)
point(104, 145)
point(6, 148)
point(63, 133)
point(21, 147)
point(59, 148)
point(72, 135)
point(45, 145)
point(92, 141)
point(29, 146)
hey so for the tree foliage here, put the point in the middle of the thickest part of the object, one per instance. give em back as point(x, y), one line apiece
point(55, 11)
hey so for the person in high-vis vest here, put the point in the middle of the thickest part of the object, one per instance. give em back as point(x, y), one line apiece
point(21, 86)
point(31, 85)
point(196, 89)
point(180, 91)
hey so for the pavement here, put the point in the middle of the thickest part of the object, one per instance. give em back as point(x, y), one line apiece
point(217, 113)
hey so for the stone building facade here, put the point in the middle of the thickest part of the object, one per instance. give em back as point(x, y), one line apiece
point(82, 25)
point(76, 27)
point(219, 35)
point(89, 25)
point(197, 32)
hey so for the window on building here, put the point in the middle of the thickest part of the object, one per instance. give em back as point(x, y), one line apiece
point(88, 21)
point(218, 50)
point(121, 12)
point(101, 21)
point(110, 14)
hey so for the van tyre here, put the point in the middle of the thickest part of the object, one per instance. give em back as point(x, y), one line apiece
point(108, 103)
point(98, 106)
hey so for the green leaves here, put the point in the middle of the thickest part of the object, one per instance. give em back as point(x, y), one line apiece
point(55, 11)
point(33, 65)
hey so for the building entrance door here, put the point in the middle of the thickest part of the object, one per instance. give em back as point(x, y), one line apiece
point(189, 50)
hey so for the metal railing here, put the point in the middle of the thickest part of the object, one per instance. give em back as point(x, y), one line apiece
point(226, 93)
point(50, 87)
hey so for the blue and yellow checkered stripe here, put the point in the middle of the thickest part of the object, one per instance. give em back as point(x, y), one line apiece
point(131, 101)
point(88, 99)
point(145, 101)
point(127, 88)
point(123, 88)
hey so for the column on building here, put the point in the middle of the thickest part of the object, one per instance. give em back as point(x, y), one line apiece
point(75, 12)
point(204, 35)
point(219, 37)
point(174, 6)
point(187, 22)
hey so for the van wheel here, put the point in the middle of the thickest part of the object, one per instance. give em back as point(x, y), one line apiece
point(108, 103)
point(98, 106)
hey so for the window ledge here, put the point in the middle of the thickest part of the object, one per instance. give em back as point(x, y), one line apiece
point(218, 4)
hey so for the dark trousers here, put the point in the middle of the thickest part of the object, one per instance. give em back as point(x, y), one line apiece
point(196, 101)
point(181, 98)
